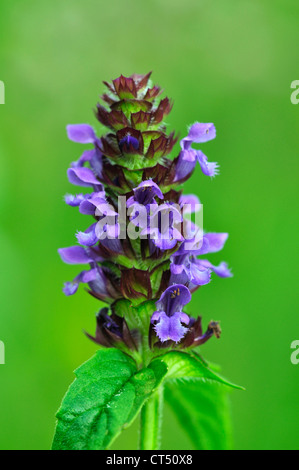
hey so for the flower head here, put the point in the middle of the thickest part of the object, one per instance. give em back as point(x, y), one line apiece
point(132, 160)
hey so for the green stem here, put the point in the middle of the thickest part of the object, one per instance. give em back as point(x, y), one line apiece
point(151, 421)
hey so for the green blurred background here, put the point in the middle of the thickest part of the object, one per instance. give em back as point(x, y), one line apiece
point(223, 61)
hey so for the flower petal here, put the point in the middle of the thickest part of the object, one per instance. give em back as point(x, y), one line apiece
point(96, 205)
point(71, 288)
point(81, 133)
point(199, 274)
point(174, 298)
point(183, 167)
point(188, 155)
point(222, 270)
point(89, 237)
point(85, 157)
point(74, 255)
point(113, 245)
point(200, 132)
point(74, 200)
point(190, 203)
point(146, 191)
point(208, 168)
point(165, 243)
point(98, 285)
point(171, 327)
point(197, 246)
point(216, 241)
point(96, 162)
point(179, 274)
point(82, 176)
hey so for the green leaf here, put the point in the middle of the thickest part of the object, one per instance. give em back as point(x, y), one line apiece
point(203, 410)
point(199, 397)
point(105, 397)
point(184, 366)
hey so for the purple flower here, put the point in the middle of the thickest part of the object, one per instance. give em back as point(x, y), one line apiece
point(140, 204)
point(189, 203)
point(105, 233)
point(100, 285)
point(89, 237)
point(71, 288)
point(145, 193)
point(186, 268)
point(98, 281)
point(81, 176)
point(106, 229)
point(164, 227)
point(128, 144)
point(78, 255)
point(96, 204)
point(84, 134)
point(171, 324)
point(130, 141)
point(75, 200)
point(81, 133)
point(95, 277)
point(198, 133)
point(168, 320)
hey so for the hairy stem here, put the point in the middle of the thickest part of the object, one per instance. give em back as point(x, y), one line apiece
point(151, 422)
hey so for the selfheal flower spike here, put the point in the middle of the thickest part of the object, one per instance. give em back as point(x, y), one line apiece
point(158, 270)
